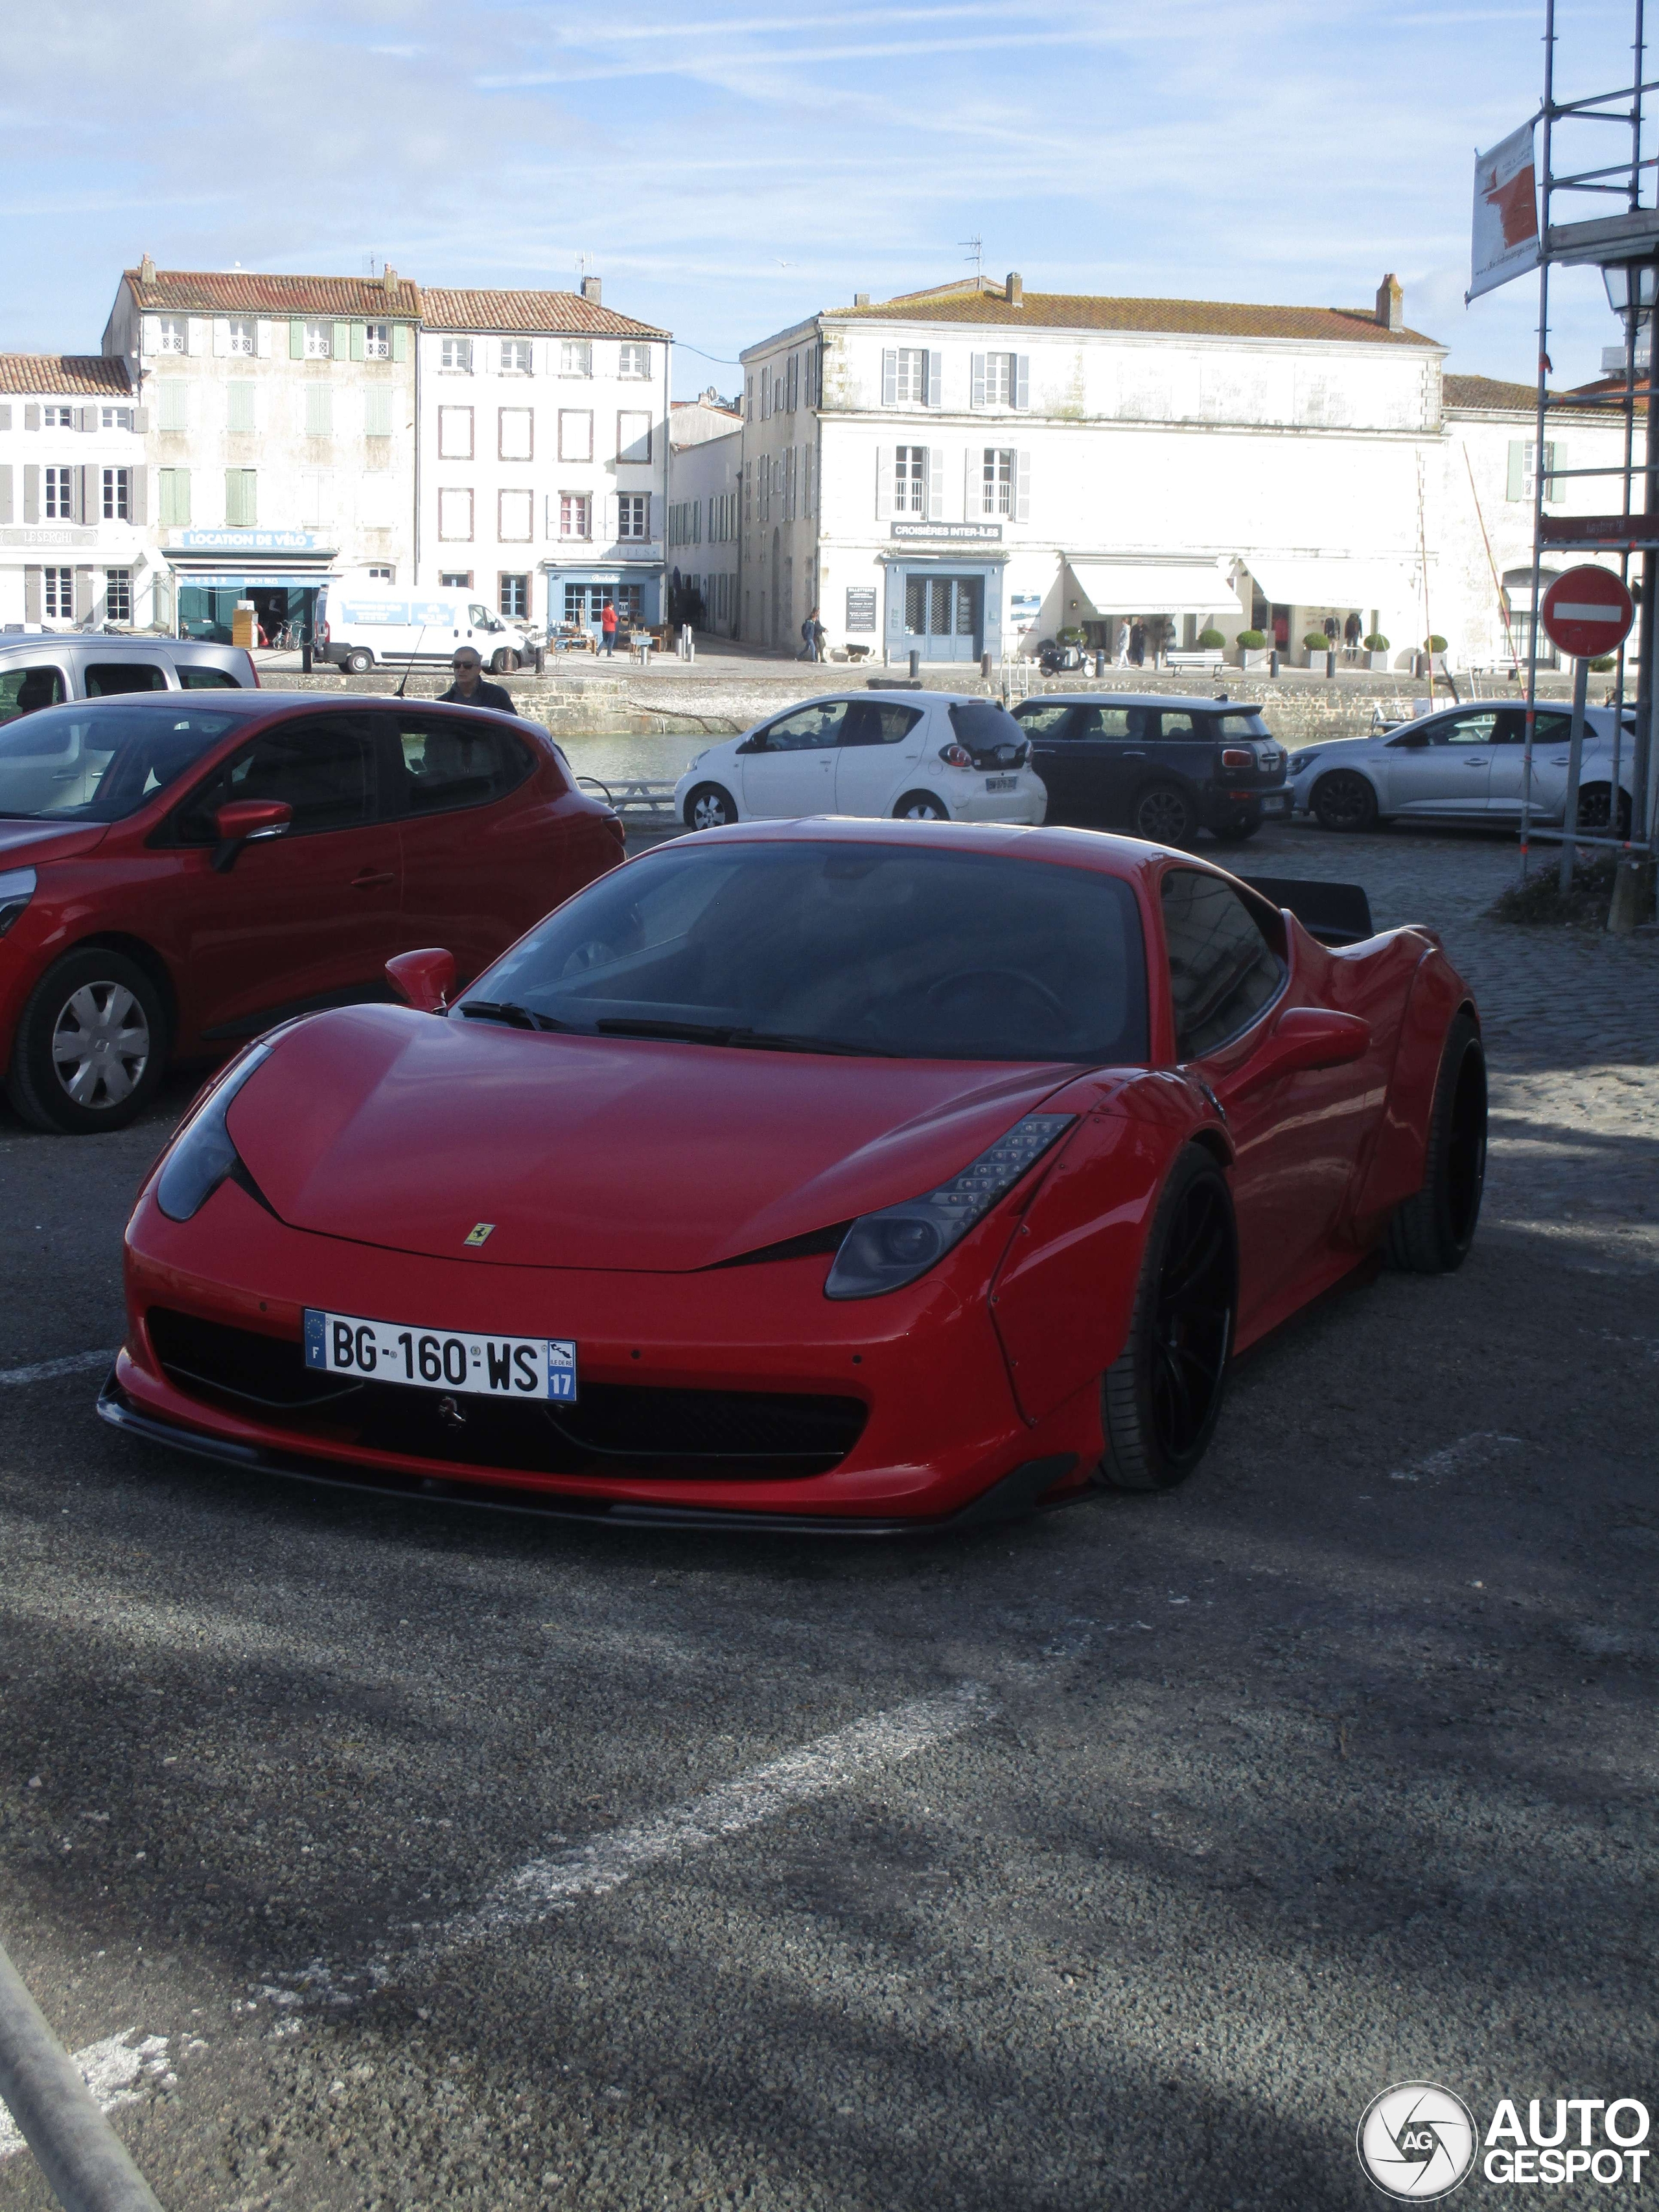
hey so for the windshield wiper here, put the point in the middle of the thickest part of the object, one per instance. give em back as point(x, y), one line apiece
point(733, 1033)
point(505, 1010)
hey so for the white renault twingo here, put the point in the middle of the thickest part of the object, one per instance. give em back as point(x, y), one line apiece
point(927, 755)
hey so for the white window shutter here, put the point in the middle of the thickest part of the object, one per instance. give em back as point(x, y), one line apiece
point(977, 398)
point(1023, 488)
point(648, 498)
point(970, 489)
point(883, 483)
point(1022, 379)
point(262, 331)
point(890, 378)
point(611, 517)
point(221, 335)
point(936, 483)
point(936, 379)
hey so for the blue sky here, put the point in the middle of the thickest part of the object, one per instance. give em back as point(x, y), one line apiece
point(728, 169)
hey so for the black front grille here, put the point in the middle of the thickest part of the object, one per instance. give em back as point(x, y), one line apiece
point(611, 1429)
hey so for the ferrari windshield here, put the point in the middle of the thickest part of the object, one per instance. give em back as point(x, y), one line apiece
point(883, 949)
point(101, 761)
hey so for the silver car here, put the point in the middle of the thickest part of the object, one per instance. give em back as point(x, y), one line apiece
point(49, 668)
point(1465, 766)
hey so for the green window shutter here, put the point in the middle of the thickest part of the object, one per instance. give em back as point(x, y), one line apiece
point(173, 401)
point(377, 412)
point(357, 338)
point(342, 342)
point(1515, 488)
point(400, 341)
point(239, 406)
point(1555, 457)
point(296, 338)
point(240, 509)
point(175, 498)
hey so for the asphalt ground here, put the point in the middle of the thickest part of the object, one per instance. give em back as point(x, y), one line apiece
point(400, 1856)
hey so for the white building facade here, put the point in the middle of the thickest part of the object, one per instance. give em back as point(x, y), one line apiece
point(704, 514)
point(74, 535)
point(544, 445)
point(975, 470)
point(279, 416)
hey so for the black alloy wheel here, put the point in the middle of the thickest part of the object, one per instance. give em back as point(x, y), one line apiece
point(1161, 1398)
point(708, 808)
point(1430, 1233)
point(1344, 800)
point(1164, 815)
point(1593, 809)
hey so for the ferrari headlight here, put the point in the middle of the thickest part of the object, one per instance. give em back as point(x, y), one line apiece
point(884, 1251)
point(16, 889)
point(203, 1154)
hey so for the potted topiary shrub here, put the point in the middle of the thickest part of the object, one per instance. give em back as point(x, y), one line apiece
point(1604, 667)
point(1317, 644)
point(1211, 640)
point(1376, 651)
point(1433, 657)
point(1252, 652)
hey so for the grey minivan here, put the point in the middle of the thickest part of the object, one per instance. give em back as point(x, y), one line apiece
point(51, 668)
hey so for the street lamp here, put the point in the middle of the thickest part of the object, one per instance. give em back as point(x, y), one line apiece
point(1630, 289)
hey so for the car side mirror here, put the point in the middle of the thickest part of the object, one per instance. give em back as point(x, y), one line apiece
point(240, 821)
point(423, 980)
point(1304, 1038)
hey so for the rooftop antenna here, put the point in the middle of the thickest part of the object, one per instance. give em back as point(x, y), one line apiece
point(584, 263)
point(976, 248)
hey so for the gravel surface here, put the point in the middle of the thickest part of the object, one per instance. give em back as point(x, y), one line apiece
point(426, 1859)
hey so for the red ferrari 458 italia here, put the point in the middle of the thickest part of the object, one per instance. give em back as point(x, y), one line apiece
point(841, 1174)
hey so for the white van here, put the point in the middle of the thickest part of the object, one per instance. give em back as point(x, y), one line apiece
point(360, 628)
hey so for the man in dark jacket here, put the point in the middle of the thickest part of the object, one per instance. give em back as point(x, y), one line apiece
point(470, 690)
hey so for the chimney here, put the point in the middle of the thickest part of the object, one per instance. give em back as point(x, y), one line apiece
point(1013, 291)
point(1390, 305)
point(860, 298)
point(591, 289)
point(389, 281)
point(146, 270)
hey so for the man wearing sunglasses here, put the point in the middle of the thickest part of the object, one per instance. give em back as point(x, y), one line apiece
point(470, 690)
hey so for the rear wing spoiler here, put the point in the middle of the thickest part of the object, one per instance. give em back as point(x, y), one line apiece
point(1336, 914)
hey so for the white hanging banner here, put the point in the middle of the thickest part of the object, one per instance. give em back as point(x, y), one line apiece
point(1505, 234)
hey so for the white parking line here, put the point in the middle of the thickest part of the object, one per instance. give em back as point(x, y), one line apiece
point(78, 1363)
point(1479, 1450)
point(596, 1868)
point(114, 2070)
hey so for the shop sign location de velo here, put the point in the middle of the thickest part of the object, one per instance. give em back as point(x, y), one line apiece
point(1587, 614)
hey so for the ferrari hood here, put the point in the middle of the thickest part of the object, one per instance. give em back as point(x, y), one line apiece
point(392, 1128)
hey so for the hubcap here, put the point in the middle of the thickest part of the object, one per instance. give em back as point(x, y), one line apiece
point(101, 1045)
point(922, 812)
point(709, 814)
point(1192, 1325)
point(1163, 816)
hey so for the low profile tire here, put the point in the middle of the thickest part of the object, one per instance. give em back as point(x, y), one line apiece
point(920, 807)
point(358, 663)
point(1344, 800)
point(1164, 815)
point(505, 663)
point(1431, 1234)
point(1162, 1396)
point(1235, 833)
point(709, 807)
point(90, 1046)
point(1593, 809)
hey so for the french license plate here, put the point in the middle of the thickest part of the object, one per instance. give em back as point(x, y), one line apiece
point(1001, 782)
point(440, 1359)
point(1279, 803)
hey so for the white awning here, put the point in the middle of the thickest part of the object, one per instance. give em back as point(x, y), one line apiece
point(1293, 580)
point(1149, 585)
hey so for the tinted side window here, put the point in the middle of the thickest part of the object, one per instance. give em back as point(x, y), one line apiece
point(322, 767)
point(1049, 720)
point(106, 679)
point(980, 722)
point(1468, 730)
point(25, 691)
point(1222, 970)
point(808, 729)
point(1547, 730)
point(1110, 722)
point(1185, 727)
point(870, 724)
point(207, 679)
point(448, 764)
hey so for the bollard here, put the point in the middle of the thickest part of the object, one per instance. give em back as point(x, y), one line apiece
point(916, 664)
point(304, 656)
point(985, 667)
point(541, 660)
point(83, 2158)
point(1100, 664)
point(1272, 662)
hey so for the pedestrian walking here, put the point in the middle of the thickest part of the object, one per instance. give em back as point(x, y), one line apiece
point(470, 690)
point(1330, 631)
point(809, 650)
point(1138, 643)
point(608, 629)
point(1122, 643)
point(1352, 629)
point(820, 638)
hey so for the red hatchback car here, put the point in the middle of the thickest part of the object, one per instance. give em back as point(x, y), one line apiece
point(179, 872)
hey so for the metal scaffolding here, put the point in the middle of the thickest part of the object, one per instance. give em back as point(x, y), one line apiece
point(1625, 247)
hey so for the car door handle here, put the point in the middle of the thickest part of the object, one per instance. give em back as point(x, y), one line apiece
point(372, 879)
point(1128, 755)
point(1477, 760)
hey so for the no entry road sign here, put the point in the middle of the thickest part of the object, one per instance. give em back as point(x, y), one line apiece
point(1588, 613)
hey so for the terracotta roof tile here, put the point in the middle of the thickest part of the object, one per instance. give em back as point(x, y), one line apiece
point(1493, 395)
point(559, 313)
point(43, 374)
point(1071, 311)
point(244, 291)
